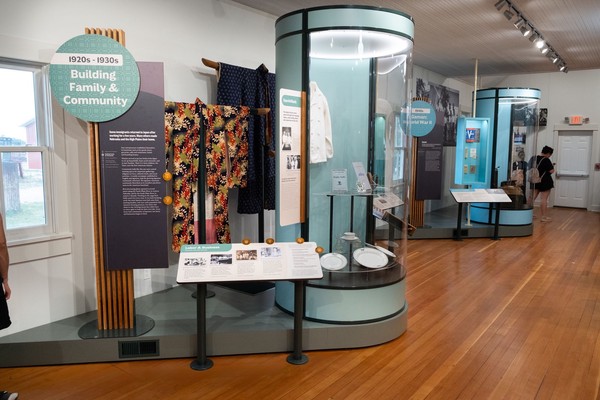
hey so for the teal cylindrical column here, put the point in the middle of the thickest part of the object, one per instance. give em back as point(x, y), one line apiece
point(353, 67)
point(513, 113)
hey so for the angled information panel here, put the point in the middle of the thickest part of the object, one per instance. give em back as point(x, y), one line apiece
point(480, 196)
point(248, 262)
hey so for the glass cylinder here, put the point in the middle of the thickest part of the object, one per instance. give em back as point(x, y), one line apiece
point(353, 64)
point(513, 113)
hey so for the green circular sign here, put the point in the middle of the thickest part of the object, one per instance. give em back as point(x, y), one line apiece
point(94, 78)
point(422, 118)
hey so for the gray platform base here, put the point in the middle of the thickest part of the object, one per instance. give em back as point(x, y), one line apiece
point(473, 231)
point(142, 325)
point(441, 224)
point(237, 323)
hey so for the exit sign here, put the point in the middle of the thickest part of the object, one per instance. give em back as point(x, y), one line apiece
point(575, 120)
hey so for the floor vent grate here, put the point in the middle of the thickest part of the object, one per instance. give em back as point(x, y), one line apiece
point(138, 348)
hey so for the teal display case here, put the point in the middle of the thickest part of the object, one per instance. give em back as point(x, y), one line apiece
point(473, 152)
point(352, 67)
point(513, 115)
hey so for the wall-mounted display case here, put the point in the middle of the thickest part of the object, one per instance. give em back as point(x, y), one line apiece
point(473, 152)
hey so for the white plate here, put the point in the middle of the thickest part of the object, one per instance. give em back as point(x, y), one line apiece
point(385, 251)
point(333, 261)
point(370, 258)
point(382, 249)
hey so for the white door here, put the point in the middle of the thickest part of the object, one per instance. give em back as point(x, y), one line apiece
point(572, 170)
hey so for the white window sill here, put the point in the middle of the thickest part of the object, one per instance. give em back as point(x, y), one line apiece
point(39, 248)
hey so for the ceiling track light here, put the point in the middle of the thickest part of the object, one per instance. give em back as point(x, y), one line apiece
point(540, 43)
point(528, 31)
point(520, 22)
point(500, 4)
point(534, 36)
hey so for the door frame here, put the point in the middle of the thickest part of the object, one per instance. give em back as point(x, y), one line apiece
point(593, 201)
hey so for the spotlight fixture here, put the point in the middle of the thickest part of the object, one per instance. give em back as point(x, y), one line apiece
point(534, 36)
point(539, 43)
point(527, 30)
point(520, 22)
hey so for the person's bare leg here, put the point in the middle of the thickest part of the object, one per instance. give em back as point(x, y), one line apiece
point(533, 197)
point(544, 205)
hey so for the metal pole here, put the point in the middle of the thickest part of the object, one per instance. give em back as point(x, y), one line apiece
point(297, 357)
point(201, 362)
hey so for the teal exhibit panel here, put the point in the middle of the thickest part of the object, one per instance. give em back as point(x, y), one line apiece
point(343, 173)
point(473, 152)
point(513, 115)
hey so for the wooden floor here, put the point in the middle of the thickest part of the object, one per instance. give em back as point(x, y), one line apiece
point(517, 318)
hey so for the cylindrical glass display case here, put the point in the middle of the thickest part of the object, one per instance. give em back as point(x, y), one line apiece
point(354, 66)
point(513, 113)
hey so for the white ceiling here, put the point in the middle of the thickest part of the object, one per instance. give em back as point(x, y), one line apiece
point(451, 34)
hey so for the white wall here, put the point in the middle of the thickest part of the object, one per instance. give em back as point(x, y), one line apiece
point(60, 281)
point(564, 95)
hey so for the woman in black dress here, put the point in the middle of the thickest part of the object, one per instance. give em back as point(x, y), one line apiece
point(546, 169)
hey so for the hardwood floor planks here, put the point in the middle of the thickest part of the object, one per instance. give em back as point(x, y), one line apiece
point(516, 318)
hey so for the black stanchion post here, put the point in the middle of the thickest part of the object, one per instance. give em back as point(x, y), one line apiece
point(297, 357)
point(457, 235)
point(497, 221)
point(201, 362)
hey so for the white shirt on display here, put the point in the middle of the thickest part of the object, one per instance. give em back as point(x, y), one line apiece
point(321, 141)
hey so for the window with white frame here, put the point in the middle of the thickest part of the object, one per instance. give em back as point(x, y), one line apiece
point(400, 149)
point(25, 149)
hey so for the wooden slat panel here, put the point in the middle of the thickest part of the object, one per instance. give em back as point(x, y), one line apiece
point(122, 299)
point(417, 207)
point(100, 276)
point(131, 301)
point(115, 299)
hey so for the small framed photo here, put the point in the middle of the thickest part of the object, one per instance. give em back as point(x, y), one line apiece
point(543, 120)
point(339, 180)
